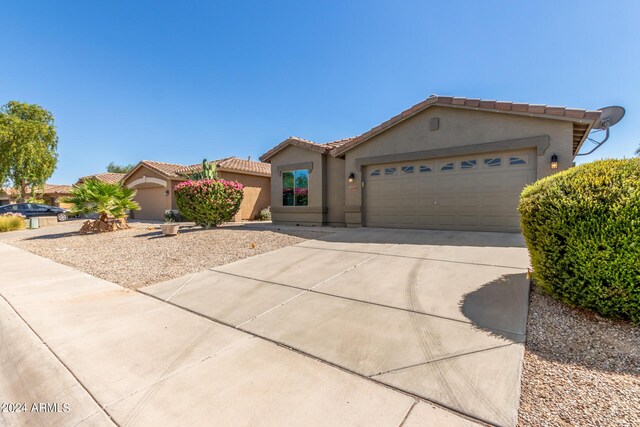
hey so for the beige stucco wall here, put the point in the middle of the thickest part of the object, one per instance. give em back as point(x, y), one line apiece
point(314, 214)
point(55, 200)
point(336, 180)
point(457, 127)
point(257, 193)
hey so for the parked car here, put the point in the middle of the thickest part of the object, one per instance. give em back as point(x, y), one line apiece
point(33, 209)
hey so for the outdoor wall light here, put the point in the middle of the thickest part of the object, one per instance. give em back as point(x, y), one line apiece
point(554, 162)
point(352, 177)
point(166, 193)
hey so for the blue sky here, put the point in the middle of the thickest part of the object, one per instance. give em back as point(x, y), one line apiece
point(179, 81)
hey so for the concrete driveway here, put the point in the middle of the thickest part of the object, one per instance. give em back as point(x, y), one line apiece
point(438, 315)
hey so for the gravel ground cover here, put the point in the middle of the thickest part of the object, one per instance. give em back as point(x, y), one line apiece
point(139, 257)
point(579, 369)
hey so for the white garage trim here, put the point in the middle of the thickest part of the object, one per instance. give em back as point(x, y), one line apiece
point(147, 180)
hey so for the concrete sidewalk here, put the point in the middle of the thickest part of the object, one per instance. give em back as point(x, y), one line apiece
point(115, 355)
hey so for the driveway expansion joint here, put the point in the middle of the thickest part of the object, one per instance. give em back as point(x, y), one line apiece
point(385, 253)
point(325, 362)
point(404, 420)
point(314, 291)
point(452, 356)
point(183, 285)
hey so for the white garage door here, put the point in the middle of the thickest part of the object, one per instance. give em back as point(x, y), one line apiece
point(476, 192)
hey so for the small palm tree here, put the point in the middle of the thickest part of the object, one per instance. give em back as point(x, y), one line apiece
point(108, 200)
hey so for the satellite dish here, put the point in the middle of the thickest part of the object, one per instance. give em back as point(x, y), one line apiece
point(609, 117)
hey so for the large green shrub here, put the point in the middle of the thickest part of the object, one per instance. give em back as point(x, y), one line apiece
point(582, 228)
point(209, 202)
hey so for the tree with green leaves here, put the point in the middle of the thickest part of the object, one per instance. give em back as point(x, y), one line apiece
point(28, 143)
point(113, 168)
point(110, 201)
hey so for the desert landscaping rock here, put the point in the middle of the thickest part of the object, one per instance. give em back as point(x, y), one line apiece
point(142, 256)
point(579, 369)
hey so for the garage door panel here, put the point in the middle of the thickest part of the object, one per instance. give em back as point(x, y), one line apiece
point(152, 203)
point(473, 196)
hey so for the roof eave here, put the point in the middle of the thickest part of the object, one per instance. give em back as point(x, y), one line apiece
point(243, 172)
point(418, 108)
point(151, 168)
point(584, 138)
point(266, 157)
point(132, 171)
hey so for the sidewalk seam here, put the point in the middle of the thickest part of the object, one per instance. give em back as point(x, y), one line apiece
point(404, 420)
point(61, 362)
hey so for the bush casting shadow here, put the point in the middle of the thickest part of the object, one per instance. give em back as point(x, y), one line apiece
point(499, 306)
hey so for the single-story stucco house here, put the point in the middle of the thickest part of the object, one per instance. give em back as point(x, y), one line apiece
point(51, 194)
point(154, 182)
point(445, 163)
point(7, 195)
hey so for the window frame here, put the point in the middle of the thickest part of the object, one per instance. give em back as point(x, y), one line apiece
point(295, 197)
point(472, 162)
point(407, 169)
point(450, 167)
point(520, 160)
point(425, 169)
point(486, 162)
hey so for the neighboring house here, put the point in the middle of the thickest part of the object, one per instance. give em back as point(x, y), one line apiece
point(7, 195)
point(445, 163)
point(108, 177)
point(52, 195)
point(154, 182)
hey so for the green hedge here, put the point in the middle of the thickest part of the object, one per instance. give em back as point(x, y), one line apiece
point(582, 228)
point(209, 202)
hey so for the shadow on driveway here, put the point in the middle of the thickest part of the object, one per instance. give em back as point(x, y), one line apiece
point(499, 307)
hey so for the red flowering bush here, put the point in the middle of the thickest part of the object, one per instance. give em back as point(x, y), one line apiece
point(209, 202)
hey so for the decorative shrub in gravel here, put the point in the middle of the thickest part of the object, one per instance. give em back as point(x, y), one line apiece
point(208, 202)
point(264, 214)
point(582, 228)
point(11, 222)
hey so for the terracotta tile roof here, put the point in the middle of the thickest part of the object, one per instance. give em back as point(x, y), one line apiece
point(304, 143)
point(242, 165)
point(57, 189)
point(47, 189)
point(234, 164)
point(168, 169)
point(108, 177)
point(582, 119)
point(338, 143)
